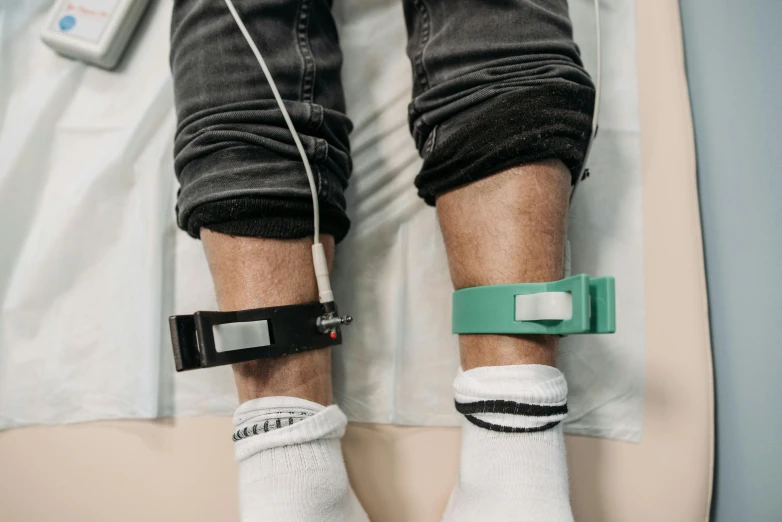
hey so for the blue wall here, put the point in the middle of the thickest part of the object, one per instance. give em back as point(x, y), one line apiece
point(734, 65)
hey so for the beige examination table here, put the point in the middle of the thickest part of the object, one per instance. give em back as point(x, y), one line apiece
point(182, 470)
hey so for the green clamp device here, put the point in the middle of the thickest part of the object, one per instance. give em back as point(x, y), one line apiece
point(576, 305)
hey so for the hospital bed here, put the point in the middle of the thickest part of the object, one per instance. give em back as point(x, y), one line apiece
point(182, 469)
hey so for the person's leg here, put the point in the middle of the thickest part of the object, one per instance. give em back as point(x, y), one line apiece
point(502, 116)
point(287, 436)
point(513, 464)
point(245, 194)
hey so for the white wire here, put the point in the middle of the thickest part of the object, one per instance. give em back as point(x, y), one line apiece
point(596, 110)
point(286, 116)
point(599, 69)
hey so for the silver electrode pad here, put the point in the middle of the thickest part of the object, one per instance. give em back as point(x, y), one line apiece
point(238, 336)
point(544, 306)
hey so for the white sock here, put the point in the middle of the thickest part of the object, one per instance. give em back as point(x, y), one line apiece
point(513, 466)
point(290, 462)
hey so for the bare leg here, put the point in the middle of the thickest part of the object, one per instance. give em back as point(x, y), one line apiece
point(254, 273)
point(507, 228)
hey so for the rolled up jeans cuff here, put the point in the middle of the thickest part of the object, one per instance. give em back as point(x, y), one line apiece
point(530, 124)
point(246, 191)
point(266, 217)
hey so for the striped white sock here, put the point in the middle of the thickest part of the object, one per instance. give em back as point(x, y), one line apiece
point(513, 466)
point(290, 462)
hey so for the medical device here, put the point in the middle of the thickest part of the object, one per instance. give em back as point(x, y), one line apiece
point(93, 31)
point(576, 305)
point(205, 339)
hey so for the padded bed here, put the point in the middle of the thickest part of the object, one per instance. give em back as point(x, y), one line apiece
point(183, 470)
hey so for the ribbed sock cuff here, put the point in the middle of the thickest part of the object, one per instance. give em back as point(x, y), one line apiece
point(318, 422)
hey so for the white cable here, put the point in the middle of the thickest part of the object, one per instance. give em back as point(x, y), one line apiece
point(596, 110)
point(599, 69)
point(318, 254)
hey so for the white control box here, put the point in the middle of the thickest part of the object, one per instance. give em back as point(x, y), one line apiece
point(94, 31)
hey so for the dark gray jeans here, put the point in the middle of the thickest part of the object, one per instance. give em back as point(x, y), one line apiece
point(496, 84)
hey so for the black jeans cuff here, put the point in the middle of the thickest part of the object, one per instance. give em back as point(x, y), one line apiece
point(531, 124)
point(264, 217)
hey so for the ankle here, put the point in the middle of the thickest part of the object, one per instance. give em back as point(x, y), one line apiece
point(305, 375)
point(505, 350)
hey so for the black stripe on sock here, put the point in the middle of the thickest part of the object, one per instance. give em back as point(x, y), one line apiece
point(257, 429)
point(514, 408)
point(508, 429)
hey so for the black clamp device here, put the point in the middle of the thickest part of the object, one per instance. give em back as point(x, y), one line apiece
point(207, 339)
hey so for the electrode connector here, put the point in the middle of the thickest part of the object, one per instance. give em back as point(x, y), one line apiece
point(327, 323)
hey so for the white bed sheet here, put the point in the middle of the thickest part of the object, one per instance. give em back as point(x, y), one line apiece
point(91, 263)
